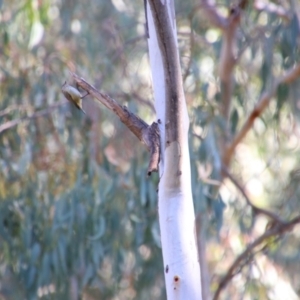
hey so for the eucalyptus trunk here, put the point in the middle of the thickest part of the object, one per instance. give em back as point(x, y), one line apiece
point(175, 202)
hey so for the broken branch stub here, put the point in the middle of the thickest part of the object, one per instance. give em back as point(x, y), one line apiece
point(151, 139)
point(149, 135)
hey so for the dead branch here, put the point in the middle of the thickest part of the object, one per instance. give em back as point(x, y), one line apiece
point(149, 135)
point(152, 136)
point(290, 76)
point(247, 254)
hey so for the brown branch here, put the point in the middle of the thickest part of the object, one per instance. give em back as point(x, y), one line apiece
point(235, 267)
point(149, 135)
point(256, 210)
point(290, 76)
point(137, 98)
point(228, 59)
point(40, 113)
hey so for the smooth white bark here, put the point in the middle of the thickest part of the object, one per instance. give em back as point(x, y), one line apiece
point(175, 204)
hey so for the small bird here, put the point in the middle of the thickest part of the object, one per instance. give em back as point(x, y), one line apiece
point(73, 95)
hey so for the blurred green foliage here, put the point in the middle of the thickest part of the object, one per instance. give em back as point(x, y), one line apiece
point(78, 217)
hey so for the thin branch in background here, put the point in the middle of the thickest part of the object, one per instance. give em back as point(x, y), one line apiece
point(148, 135)
point(211, 12)
point(146, 20)
point(144, 101)
point(256, 210)
point(192, 43)
point(11, 108)
point(273, 8)
point(137, 98)
point(201, 41)
point(198, 136)
point(13, 123)
point(290, 76)
point(130, 42)
point(247, 254)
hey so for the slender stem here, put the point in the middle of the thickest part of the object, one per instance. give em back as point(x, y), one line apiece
point(290, 76)
point(13, 123)
point(247, 254)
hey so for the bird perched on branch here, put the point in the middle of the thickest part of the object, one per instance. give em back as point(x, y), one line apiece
point(73, 95)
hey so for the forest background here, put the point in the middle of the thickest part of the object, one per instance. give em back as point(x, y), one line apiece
point(78, 214)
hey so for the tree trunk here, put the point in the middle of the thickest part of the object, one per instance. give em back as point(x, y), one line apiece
point(175, 203)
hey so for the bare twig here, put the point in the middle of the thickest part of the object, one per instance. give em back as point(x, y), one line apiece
point(40, 113)
point(247, 254)
point(290, 76)
point(257, 210)
point(149, 135)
